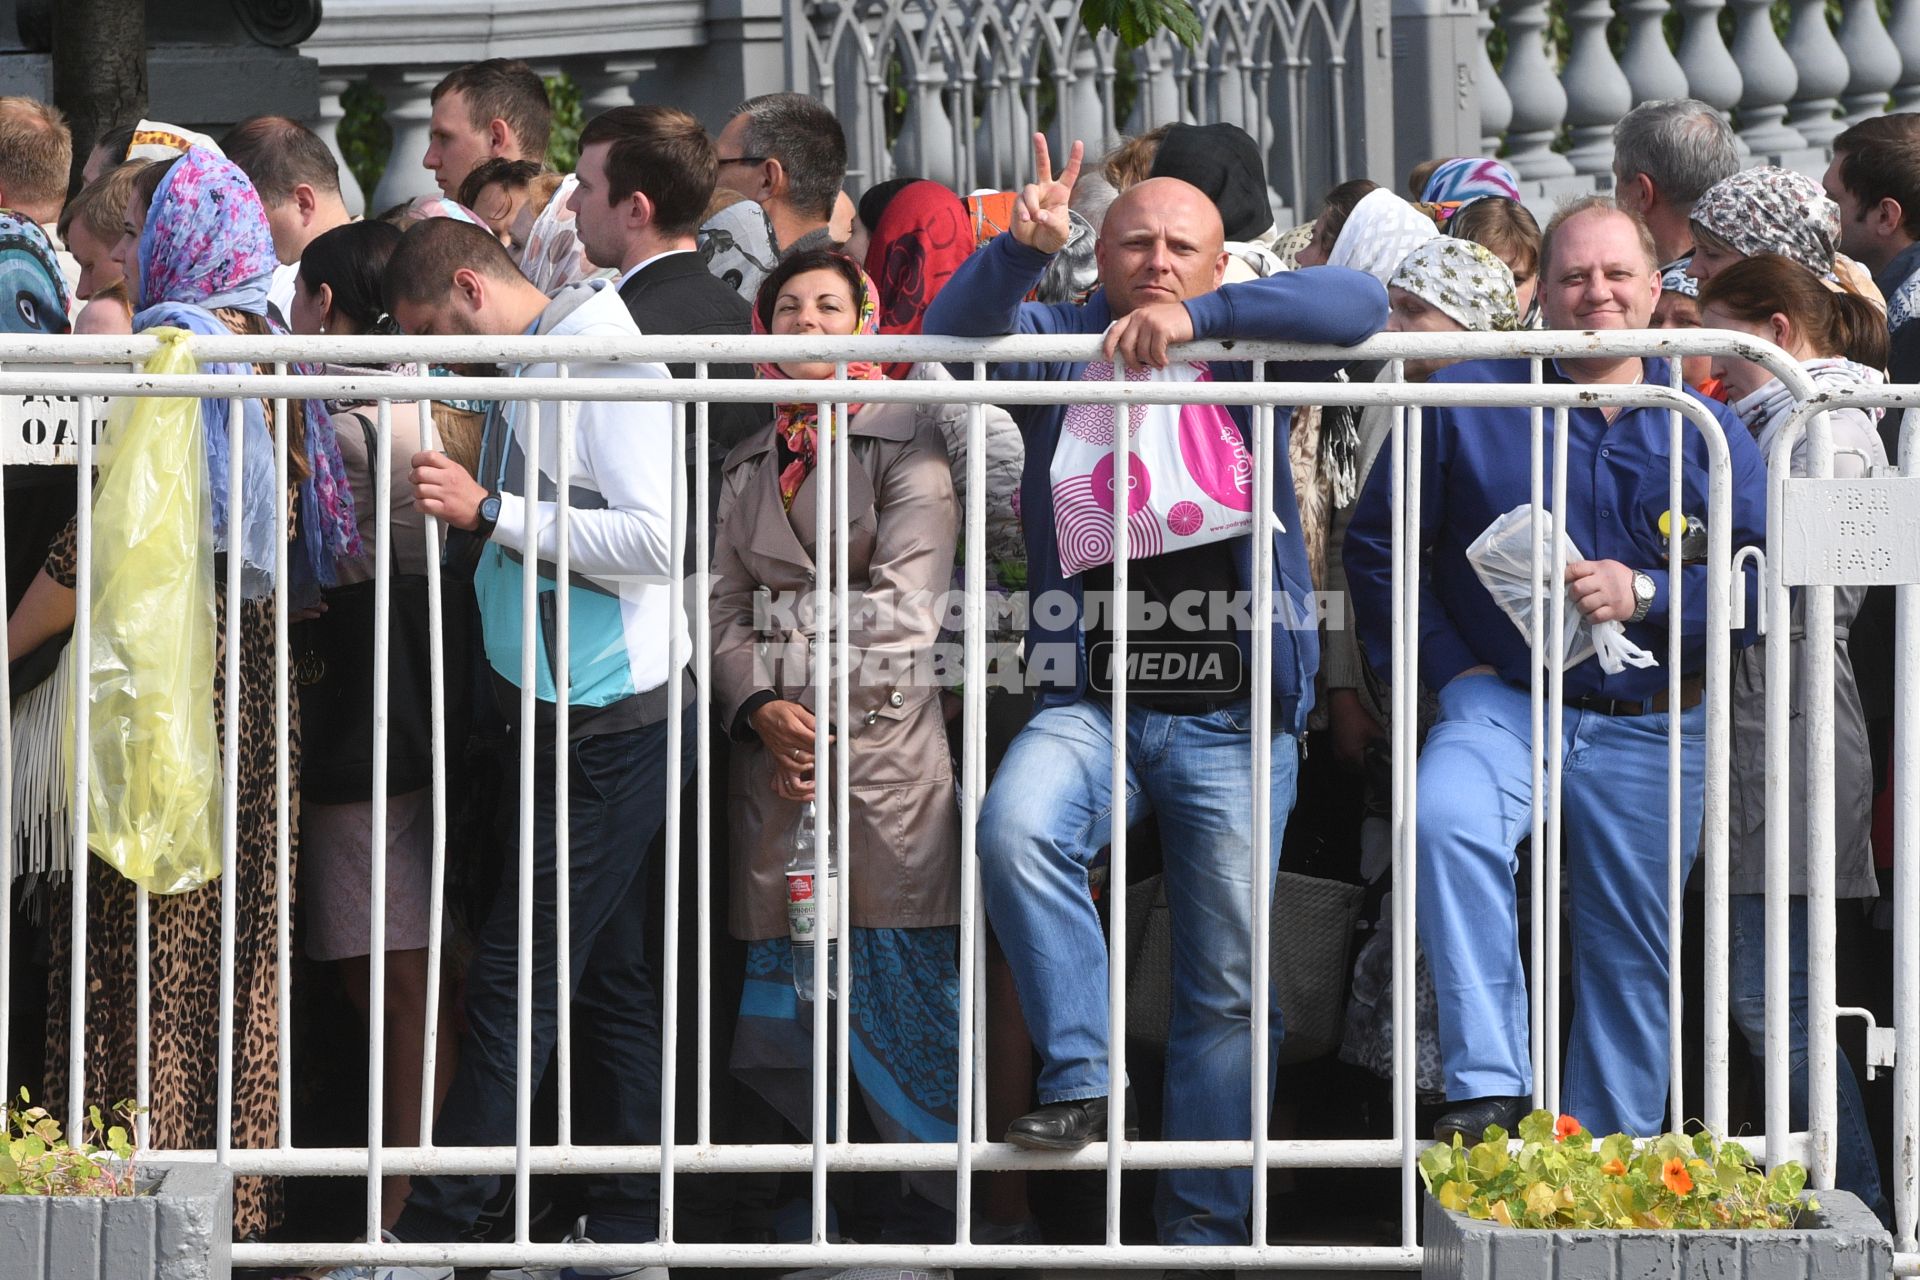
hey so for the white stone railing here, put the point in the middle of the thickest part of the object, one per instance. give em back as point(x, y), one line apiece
point(1333, 89)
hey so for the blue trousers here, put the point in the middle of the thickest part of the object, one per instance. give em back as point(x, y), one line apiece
point(1476, 780)
point(1045, 818)
point(617, 796)
point(1857, 1168)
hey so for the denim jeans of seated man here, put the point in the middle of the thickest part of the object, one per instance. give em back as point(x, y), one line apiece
point(1475, 788)
point(617, 796)
point(1046, 817)
point(1857, 1168)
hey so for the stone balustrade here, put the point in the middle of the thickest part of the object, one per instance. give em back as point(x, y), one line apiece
point(1333, 89)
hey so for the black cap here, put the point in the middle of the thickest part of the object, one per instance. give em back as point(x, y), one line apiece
point(1224, 161)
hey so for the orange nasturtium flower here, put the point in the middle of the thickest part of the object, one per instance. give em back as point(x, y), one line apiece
point(1614, 1169)
point(1675, 1175)
point(1565, 1127)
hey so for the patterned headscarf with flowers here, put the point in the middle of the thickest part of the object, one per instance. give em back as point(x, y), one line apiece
point(797, 425)
point(1465, 280)
point(1773, 210)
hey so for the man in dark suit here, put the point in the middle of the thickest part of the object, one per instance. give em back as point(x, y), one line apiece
point(645, 177)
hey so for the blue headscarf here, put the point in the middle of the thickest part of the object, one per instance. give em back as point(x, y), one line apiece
point(205, 247)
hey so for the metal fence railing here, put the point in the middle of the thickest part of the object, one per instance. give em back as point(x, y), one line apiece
point(85, 370)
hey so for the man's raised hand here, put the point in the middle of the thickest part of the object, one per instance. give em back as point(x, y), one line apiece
point(1040, 215)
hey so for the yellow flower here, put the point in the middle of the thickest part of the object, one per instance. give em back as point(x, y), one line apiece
point(1614, 1168)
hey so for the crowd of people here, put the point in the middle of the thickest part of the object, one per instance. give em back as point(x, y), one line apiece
point(664, 228)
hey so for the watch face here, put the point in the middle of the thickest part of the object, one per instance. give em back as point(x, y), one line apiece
point(490, 509)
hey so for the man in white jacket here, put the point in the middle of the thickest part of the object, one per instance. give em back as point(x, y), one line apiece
point(450, 278)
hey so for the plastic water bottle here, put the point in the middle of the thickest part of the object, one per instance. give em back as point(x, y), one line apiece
point(813, 906)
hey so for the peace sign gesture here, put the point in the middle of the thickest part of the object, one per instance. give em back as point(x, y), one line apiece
point(1040, 215)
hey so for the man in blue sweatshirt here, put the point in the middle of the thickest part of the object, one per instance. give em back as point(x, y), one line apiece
point(1597, 273)
point(1187, 741)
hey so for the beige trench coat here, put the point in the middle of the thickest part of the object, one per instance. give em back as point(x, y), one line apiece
point(903, 838)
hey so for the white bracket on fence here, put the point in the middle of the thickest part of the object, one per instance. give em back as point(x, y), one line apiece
point(1881, 1041)
point(1737, 590)
point(1861, 532)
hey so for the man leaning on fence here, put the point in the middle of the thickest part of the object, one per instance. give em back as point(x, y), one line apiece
point(1475, 773)
point(1188, 749)
point(449, 278)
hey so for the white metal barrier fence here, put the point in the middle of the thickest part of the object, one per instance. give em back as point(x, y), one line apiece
point(682, 445)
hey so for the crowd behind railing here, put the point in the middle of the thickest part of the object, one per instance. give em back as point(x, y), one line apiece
point(1169, 239)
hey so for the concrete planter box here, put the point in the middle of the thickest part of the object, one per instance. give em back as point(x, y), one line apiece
point(1842, 1241)
point(183, 1230)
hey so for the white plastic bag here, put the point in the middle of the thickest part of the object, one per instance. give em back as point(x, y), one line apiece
point(1503, 558)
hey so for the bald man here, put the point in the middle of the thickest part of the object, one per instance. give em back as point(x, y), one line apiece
point(1187, 735)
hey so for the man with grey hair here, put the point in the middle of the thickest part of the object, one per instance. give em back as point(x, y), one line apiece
point(787, 153)
point(1665, 156)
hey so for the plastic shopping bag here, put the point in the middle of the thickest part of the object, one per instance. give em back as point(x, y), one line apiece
point(153, 797)
point(1503, 557)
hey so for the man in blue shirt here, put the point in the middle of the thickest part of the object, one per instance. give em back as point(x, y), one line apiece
point(1187, 741)
point(1598, 273)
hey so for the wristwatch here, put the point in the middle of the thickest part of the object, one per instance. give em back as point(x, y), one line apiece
point(489, 515)
point(1642, 596)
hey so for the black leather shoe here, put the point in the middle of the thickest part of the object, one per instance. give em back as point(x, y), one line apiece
point(1470, 1119)
point(1068, 1126)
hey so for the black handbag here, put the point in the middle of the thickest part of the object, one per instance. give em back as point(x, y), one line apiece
point(333, 672)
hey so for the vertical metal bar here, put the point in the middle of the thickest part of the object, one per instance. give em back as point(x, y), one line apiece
point(1556, 717)
point(1406, 729)
point(437, 782)
point(282, 770)
point(1676, 884)
point(230, 770)
point(1721, 583)
point(842, 777)
point(382, 466)
point(82, 649)
point(1822, 1048)
point(670, 938)
point(1719, 659)
point(1261, 879)
point(1537, 731)
point(1117, 856)
point(825, 447)
point(972, 781)
point(529, 761)
point(562, 758)
point(1906, 891)
point(702, 761)
point(1779, 832)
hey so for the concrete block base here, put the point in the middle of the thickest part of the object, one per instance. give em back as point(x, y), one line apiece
point(1841, 1241)
point(182, 1231)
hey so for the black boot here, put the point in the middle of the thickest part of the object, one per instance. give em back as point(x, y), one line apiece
point(1470, 1118)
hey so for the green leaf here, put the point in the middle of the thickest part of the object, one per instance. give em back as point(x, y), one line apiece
point(1537, 1127)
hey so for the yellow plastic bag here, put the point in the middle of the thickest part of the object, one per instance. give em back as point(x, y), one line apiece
point(153, 785)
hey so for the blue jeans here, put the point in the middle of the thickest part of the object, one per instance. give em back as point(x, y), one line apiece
point(1857, 1168)
point(617, 793)
point(1045, 818)
point(1476, 780)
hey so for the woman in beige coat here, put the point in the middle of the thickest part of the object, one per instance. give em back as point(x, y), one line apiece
point(903, 827)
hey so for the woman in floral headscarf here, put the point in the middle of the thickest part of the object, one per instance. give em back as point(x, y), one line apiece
point(903, 828)
point(198, 256)
point(1768, 209)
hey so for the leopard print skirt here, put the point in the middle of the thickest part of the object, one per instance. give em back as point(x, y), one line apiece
point(184, 932)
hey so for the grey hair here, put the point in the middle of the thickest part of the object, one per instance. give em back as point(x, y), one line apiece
point(1683, 145)
point(806, 138)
